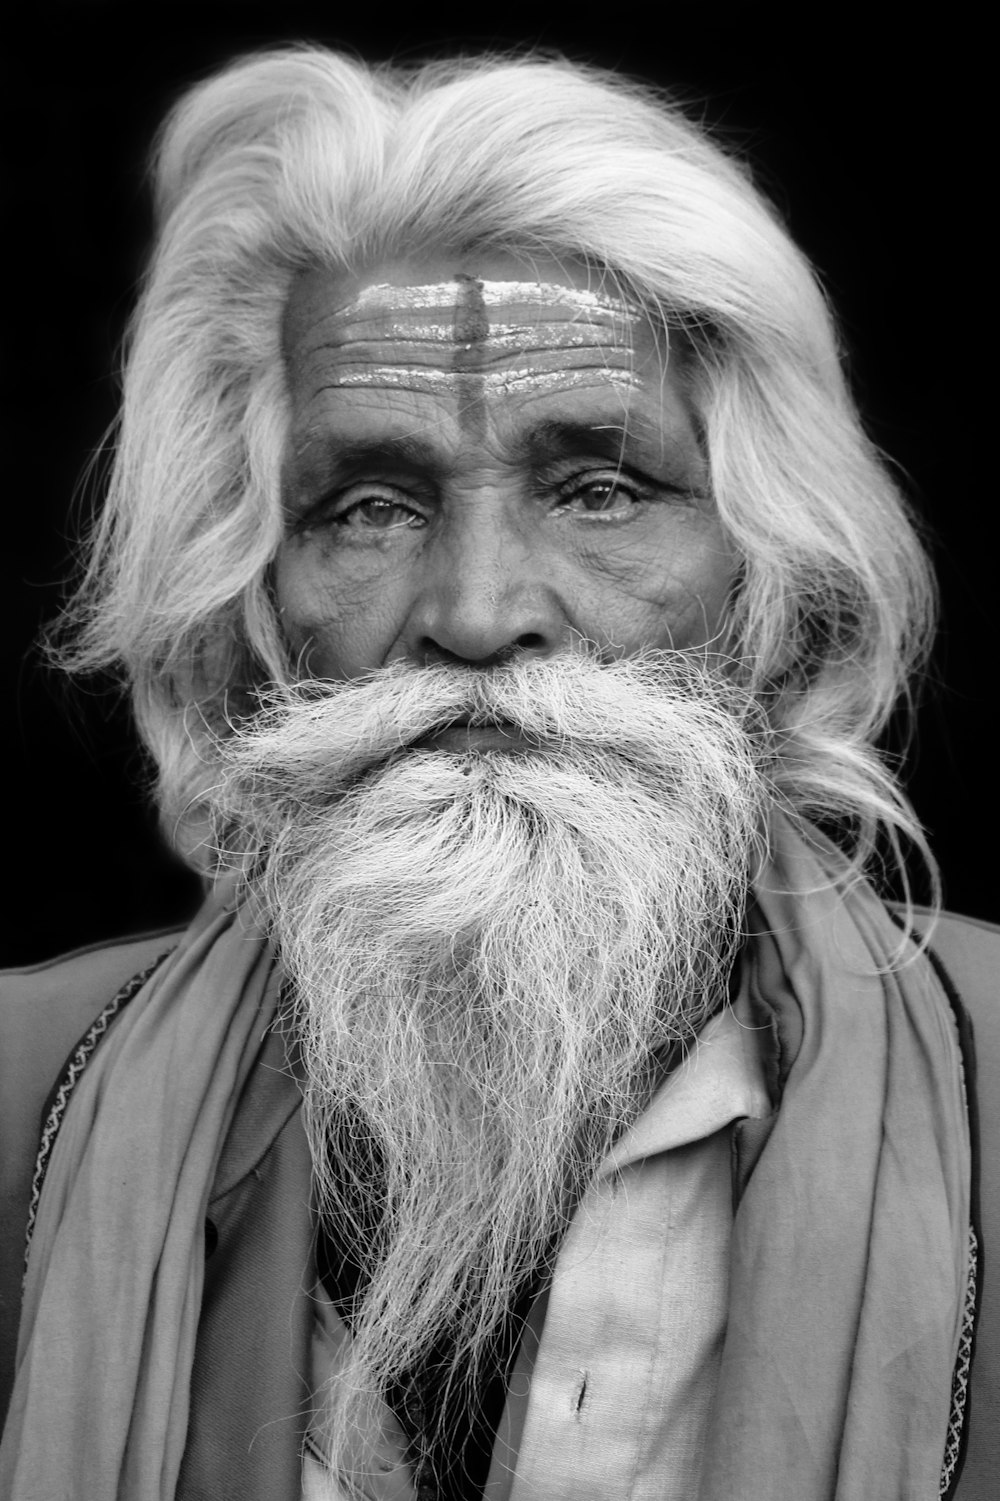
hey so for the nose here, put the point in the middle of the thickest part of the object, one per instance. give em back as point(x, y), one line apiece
point(487, 594)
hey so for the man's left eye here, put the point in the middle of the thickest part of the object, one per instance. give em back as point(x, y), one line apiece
point(377, 513)
point(601, 497)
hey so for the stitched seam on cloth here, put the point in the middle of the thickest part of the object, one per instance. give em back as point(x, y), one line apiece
point(957, 1431)
point(80, 1057)
point(960, 1380)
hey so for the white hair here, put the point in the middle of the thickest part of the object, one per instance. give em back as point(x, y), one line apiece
point(304, 157)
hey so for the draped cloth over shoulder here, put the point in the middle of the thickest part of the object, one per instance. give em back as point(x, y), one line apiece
point(850, 1244)
point(849, 1247)
point(114, 1283)
point(848, 1252)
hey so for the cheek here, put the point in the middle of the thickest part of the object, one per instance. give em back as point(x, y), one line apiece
point(667, 590)
point(338, 627)
point(704, 590)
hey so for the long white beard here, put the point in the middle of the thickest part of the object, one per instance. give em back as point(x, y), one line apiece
point(489, 953)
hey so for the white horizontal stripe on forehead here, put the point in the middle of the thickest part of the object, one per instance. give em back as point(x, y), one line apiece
point(491, 382)
point(503, 337)
point(442, 295)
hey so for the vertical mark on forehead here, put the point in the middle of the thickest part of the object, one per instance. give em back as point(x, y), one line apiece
point(470, 331)
point(471, 325)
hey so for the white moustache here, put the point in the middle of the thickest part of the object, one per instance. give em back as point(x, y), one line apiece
point(328, 735)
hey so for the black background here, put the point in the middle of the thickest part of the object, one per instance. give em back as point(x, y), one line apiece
point(858, 125)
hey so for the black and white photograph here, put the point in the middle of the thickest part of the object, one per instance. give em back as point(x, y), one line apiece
point(499, 991)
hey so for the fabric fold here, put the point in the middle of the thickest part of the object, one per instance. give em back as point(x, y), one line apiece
point(113, 1288)
point(850, 1244)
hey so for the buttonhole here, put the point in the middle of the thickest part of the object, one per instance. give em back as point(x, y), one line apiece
point(580, 1393)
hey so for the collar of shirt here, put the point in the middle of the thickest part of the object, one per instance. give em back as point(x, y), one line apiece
point(720, 1081)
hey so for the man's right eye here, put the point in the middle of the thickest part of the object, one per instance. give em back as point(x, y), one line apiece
point(375, 512)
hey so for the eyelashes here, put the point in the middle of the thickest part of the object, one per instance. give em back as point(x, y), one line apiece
point(378, 507)
point(379, 511)
point(603, 494)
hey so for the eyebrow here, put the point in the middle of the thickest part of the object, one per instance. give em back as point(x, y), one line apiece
point(559, 439)
point(635, 442)
point(345, 456)
point(326, 459)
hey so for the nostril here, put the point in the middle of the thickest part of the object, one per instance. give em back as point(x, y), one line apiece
point(451, 638)
point(433, 653)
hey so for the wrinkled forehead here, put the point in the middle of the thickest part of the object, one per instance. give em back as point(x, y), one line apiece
point(488, 335)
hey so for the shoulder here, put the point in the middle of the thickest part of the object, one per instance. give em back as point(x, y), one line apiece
point(969, 951)
point(45, 1007)
point(44, 1010)
point(94, 962)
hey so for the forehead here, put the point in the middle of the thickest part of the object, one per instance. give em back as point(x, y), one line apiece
point(498, 327)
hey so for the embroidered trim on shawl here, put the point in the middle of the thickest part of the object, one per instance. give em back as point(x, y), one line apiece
point(68, 1079)
point(955, 1441)
point(960, 1380)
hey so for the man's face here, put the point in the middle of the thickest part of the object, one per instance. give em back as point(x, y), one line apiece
point(488, 458)
point(490, 954)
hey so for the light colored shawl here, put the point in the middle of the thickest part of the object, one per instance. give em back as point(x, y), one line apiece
point(114, 1281)
point(851, 1242)
point(849, 1250)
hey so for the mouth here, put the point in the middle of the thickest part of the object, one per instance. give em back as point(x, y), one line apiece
point(462, 736)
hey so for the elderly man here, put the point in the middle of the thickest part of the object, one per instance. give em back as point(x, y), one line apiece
point(540, 1105)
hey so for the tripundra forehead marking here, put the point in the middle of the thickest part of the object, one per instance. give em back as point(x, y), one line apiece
point(559, 335)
